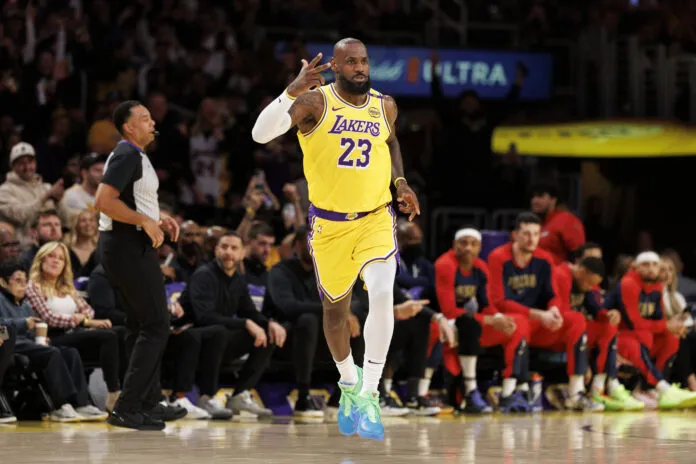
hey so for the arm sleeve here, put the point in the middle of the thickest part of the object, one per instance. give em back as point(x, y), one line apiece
point(274, 120)
point(279, 289)
point(121, 169)
point(40, 306)
point(102, 298)
point(202, 293)
point(444, 288)
point(630, 294)
point(19, 323)
point(496, 289)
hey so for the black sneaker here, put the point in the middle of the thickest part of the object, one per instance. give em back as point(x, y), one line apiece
point(6, 414)
point(166, 413)
point(391, 407)
point(307, 406)
point(134, 420)
point(420, 406)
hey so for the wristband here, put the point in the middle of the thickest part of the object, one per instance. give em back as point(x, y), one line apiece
point(287, 94)
point(84, 321)
point(396, 181)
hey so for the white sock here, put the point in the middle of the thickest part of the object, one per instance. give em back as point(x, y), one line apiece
point(379, 326)
point(598, 383)
point(662, 386)
point(468, 364)
point(612, 384)
point(387, 385)
point(423, 387)
point(349, 374)
point(508, 387)
point(524, 387)
point(576, 385)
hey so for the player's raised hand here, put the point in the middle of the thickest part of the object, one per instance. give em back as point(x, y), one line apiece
point(407, 199)
point(309, 77)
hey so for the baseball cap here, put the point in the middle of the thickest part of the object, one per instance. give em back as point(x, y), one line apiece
point(91, 159)
point(21, 149)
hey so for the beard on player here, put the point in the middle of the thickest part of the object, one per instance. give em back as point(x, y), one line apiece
point(352, 86)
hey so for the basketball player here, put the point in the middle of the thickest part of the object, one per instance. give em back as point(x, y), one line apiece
point(351, 156)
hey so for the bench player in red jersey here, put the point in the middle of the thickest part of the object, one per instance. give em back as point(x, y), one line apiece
point(577, 284)
point(522, 281)
point(461, 278)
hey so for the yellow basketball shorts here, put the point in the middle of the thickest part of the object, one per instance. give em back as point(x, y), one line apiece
point(343, 244)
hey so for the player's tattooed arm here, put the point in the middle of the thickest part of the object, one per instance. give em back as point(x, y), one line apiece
point(408, 201)
point(392, 112)
point(307, 109)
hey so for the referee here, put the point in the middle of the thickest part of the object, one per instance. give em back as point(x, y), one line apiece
point(132, 228)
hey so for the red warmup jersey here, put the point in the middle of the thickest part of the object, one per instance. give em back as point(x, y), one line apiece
point(573, 299)
point(561, 234)
point(515, 289)
point(455, 288)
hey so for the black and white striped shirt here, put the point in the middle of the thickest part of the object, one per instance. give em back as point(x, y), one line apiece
point(130, 172)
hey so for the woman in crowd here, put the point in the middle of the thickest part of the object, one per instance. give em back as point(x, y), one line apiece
point(53, 296)
point(82, 241)
point(61, 368)
point(674, 305)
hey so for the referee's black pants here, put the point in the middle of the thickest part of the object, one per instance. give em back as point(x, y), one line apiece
point(133, 268)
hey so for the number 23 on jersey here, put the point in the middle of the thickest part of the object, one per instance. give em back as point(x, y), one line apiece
point(351, 146)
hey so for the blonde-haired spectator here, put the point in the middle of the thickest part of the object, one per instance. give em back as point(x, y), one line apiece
point(53, 297)
point(82, 241)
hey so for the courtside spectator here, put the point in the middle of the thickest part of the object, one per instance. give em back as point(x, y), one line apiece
point(9, 244)
point(293, 300)
point(47, 227)
point(462, 285)
point(577, 286)
point(675, 305)
point(55, 300)
point(646, 339)
point(217, 294)
point(81, 196)
point(417, 276)
point(685, 285)
point(61, 368)
point(522, 281)
point(258, 249)
point(8, 338)
point(82, 242)
point(24, 194)
point(190, 253)
point(561, 231)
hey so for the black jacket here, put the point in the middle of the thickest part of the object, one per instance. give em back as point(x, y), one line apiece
point(291, 291)
point(214, 298)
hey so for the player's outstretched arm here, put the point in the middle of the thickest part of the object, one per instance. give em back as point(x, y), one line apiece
point(408, 202)
point(296, 106)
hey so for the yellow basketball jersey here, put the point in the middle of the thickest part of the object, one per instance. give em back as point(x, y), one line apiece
point(346, 158)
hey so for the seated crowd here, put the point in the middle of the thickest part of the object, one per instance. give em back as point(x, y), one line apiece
point(241, 303)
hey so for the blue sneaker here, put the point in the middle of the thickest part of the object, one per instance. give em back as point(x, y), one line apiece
point(514, 403)
point(475, 404)
point(370, 420)
point(348, 415)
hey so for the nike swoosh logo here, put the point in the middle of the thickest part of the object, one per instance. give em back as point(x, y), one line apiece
point(336, 109)
point(372, 362)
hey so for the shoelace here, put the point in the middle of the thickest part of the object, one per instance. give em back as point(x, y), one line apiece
point(370, 406)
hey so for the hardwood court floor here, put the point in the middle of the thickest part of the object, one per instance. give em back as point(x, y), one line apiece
point(549, 438)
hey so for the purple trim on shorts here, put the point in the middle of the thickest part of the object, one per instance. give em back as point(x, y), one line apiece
point(335, 216)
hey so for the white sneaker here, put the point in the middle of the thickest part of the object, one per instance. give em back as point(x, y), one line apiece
point(214, 407)
point(91, 413)
point(66, 413)
point(244, 404)
point(193, 412)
